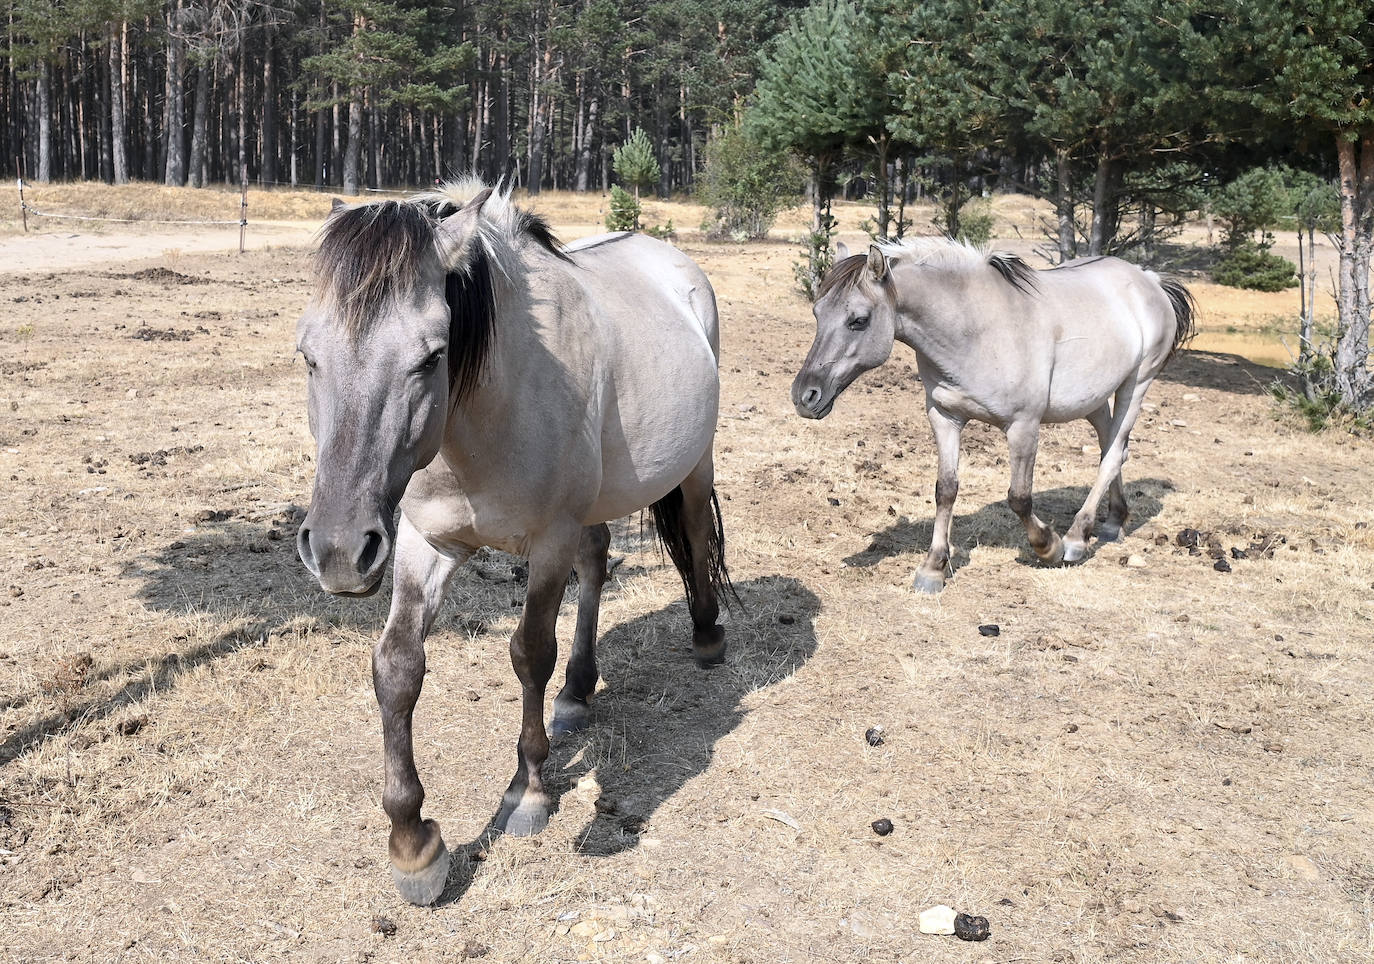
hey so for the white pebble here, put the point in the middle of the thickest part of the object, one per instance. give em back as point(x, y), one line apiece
point(937, 920)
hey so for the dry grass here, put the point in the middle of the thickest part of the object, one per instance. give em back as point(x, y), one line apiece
point(190, 753)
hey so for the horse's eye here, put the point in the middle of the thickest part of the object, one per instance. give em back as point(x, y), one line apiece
point(432, 362)
point(858, 324)
point(309, 362)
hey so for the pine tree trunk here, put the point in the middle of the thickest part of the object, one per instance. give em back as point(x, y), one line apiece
point(1105, 201)
point(584, 157)
point(241, 97)
point(199, 120)
point(355, 144)
point(119, 136)
point(1063, 205)
point(1354, 381)
point(267, 166)
point(44, 98)
point(174, 171)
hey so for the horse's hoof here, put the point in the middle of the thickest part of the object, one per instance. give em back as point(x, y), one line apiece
point(569, 716)
point(423, 886)
point(1073, 551)
point(524, 818)
point(708, 646)
point(1109, 533)
point(925, 583)
point(1054, 555)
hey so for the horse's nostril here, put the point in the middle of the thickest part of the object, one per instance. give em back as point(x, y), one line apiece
point(372, 544)
point(303, 546)
point(810, 397)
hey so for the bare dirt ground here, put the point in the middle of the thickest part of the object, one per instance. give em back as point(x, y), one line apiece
point(1156, 763)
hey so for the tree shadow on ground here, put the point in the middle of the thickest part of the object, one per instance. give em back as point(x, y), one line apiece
point(658, 718)
point(1222, 371)
point(996, 525)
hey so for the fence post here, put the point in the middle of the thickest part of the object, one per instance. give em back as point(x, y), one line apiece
point(243, 205)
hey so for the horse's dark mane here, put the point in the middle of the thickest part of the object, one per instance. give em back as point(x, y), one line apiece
point(368, 252)
point(848, 271)
point(1014, 271)
point(845, 272)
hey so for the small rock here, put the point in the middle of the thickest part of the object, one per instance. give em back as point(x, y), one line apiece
point(990, 629)
point(1134, 561)
point(473, 696)
point(1160, 911)
point(1221, 565)
point(937, 920)
point(832, 500)
point(968, 928)
point(786, 619)
point(1273, 747)
point(473, 949)
point(1178, 423)
point(384, 926)
point(585, 928)
point(1237, 553)
point(1187, 538)
point(874, 735)
point(882, 826)
point(1304, 868)
point(1191, 397)
point(1071, 728)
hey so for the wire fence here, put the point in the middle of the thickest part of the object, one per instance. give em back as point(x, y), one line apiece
point(26, 209)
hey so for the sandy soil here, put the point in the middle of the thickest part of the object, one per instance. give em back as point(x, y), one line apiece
point(1154, 763)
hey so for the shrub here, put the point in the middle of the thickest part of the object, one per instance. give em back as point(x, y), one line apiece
point(624, 212)
point(974, 223)
point(1253, 202)
point(1249, 265)
point(745, 185)
point(664, 231)
point(818, 257)
point(634, 162)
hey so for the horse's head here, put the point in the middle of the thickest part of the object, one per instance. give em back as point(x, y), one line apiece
point(378, 343)
point(855, 328)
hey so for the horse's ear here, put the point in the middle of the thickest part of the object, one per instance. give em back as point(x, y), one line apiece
point(457, 231)
point(841, 250)
point(877, 262)
point(338, 203)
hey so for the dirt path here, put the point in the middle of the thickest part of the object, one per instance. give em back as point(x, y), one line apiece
point(60, 249)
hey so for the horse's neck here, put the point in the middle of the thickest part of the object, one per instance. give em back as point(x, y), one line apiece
point(936, 319)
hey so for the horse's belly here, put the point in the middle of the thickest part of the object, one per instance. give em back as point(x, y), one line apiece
point(653, 463)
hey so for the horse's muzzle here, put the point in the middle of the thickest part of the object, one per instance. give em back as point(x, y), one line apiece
point(811, 400)
point(347, 561)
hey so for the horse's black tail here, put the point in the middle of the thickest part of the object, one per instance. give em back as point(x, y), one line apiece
point(1185, 308)
point(671, 525)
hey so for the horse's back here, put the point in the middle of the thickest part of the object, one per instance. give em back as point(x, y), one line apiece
point(1109, 321)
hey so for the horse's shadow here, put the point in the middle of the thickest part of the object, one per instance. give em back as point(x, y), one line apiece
point(658, 718)
point(996, 525)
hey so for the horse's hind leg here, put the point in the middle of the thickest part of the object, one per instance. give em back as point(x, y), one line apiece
point(1117, 509)
point(1125, 410)
point(1023, 439)
point(570, 712)
point(930, 578)
point(419, 860)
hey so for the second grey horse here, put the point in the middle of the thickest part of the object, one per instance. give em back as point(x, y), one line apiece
point(1007, 345)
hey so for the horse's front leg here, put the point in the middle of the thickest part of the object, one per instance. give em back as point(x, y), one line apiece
point(1023, 440)
point(930, 578)
point(419, 860)
point(533, 652)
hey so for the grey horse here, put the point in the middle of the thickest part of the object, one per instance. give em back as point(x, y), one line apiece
point(1007, 345)
point(502, 391)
